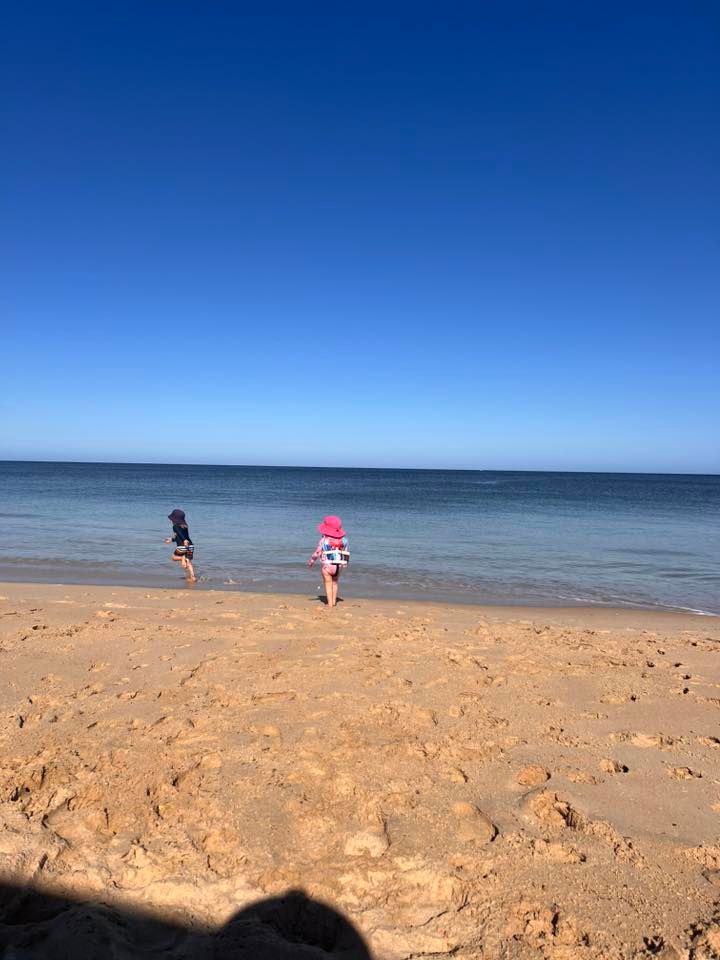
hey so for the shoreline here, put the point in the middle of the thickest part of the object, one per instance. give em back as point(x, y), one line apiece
point(457, 781)
point(202, 587)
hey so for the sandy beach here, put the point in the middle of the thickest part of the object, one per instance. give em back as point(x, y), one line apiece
point(453, 780)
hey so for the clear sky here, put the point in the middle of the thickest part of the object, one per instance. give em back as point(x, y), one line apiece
point(398, 233)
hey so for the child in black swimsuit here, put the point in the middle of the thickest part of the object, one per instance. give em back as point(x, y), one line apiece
point(183, 552)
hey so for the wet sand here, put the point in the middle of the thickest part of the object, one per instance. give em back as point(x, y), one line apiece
point(455, 780)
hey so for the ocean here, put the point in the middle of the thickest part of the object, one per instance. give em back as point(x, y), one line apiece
point(553, 539)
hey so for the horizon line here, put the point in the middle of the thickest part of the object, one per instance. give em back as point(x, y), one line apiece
point(291, 466)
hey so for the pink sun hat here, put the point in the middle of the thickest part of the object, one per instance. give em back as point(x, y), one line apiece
point(332, 527)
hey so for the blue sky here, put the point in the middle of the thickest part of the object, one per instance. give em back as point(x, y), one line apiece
point(412, 234)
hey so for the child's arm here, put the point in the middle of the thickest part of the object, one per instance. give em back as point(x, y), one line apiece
point(318, 551)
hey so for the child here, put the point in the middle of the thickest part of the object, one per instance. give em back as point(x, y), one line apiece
point(183, 553)
point(331, 542)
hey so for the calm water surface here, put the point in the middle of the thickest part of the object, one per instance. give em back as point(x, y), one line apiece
point(639, 540)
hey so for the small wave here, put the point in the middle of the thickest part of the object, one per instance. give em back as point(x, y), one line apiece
point(681, 609)
point(562, 596)
point(638, 604)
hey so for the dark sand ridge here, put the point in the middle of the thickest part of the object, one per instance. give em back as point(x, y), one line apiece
point(457, 781)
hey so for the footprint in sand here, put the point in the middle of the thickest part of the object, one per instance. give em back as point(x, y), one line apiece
point(456, 775)
point(647, 741)
point(372, 842)
point(557, 852)
point(683, 773)
point(532, 776)
point(608, 765)
point(474, 826)
point(709, 741)
point(281, 696)
point(708, 857)
point(557, 815)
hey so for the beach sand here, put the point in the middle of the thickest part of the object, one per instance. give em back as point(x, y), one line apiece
point(455, 781)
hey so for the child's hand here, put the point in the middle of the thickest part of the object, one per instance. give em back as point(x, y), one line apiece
point(167, 540)
point(310, 562)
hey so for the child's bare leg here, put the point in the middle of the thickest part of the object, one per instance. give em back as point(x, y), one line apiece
point(190, 570)
point(328, 581)
point(335, 582)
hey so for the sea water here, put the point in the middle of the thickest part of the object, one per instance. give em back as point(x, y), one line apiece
point(628, 540)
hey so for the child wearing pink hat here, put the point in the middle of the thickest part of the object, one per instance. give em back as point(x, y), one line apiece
point(332, 550)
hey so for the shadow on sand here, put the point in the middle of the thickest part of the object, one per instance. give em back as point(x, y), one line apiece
point(38, 926)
